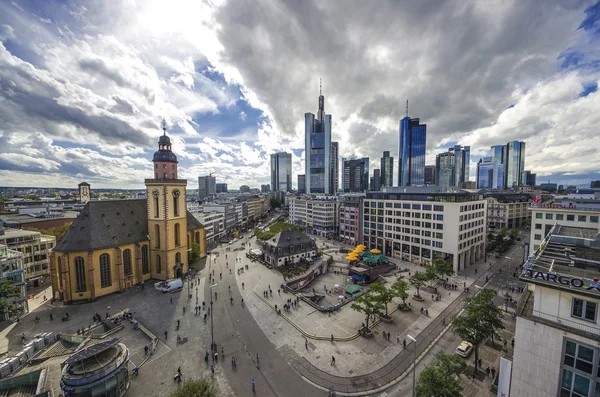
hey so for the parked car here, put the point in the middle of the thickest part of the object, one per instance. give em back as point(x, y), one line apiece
point(169, 285)
point(464, 349)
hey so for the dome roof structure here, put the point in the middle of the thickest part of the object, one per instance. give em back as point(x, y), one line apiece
point(164, 155)
point(164, 139)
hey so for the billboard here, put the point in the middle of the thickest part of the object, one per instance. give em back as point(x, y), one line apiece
point(504, 377)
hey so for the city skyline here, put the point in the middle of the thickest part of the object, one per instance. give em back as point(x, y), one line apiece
point(83, 95)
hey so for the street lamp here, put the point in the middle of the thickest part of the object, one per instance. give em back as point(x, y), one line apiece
point(414, 363)
point(212, 338)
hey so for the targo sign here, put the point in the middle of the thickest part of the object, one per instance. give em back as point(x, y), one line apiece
point(575, 282)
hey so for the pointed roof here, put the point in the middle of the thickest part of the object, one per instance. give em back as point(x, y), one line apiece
point(289, 237)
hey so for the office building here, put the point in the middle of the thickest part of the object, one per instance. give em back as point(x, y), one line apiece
point(207, 187)
point(376, 180)
point(351, 218)
point(490, 174)
point(36, 249)
point(214, 224)
point(497, 153)
point(444, 169)
point(462, 163)
point(387, 170)
point(452, 167)
point(257, 207)
point(353, 175)
point(430, 179)
point(424, 223)
point(335, 168)
point(549, 187)
point(318, 150)
point(528, 179)
point(11, 268)
point(556, 349)
point(318, 215)
point(281, 172)
point(411, 151)
point(302, 184)
point(366, 174)
point(514, 163)
point(507, 211)
point(244, 189)
point(221, 187)
point(265, 188)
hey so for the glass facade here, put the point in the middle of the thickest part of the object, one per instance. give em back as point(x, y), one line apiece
point(514, 163)
point(301, 184)
point(444, 168)
point(411, 152)
point(281, 172)
point(387, 170)
point(490, 174)
point(580, 370)
point(318, 153)
point(335, 171)
point(353, 175)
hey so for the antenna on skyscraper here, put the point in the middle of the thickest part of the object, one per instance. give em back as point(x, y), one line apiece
point(320, 86)
point(407, 108)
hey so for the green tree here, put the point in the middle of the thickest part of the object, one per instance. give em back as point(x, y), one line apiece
point(368, 305)
point(7, 290)
point(418, 280)
point(195, 252)
point(58, 231)
point(481, 320)
point(384, 295)
point(442, 377)
point(400, 288)
point(441, 268)
point(275, 203)
point(195, 388)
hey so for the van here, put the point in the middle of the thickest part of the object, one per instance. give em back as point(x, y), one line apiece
point(169, 285)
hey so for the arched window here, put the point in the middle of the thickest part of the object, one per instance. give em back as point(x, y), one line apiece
point(156, 207)
point(197, 237)
point(158, 264)
point(157, 233)
point(80, 281)
point(105, 280)
point(177, 240)
point(145, 265)
point(164, 175)
point(178, 258)
point(127, 262)
point(176, 205)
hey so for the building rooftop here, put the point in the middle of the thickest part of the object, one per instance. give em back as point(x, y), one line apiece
point(289, 237)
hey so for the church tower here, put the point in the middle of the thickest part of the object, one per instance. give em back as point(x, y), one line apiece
point(167, 214)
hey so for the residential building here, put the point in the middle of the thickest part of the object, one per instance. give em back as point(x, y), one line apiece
point(544, 216)
point(302, 184)
point(232, 223)
point(411, 151)
point(287, 247)
point(221, 187)
point(319, 215)
point(430, 179)
point(241, 214)
point(351, 217)
point(528, 179)
point(257, 207)
point(214, 224)
point(556, 349)
point(207, 187)
point(244, 189)
point(281, 172)
point(36, 249)
point(376, 180)
point(335, 168)
point(387, 170)
point(353, 175)
point(317, 150)
point(11, 268)
point(444, 169)
point(424, 223)
point(507, 211)
point(265, 188)
point(490, 174)
point(366, 175)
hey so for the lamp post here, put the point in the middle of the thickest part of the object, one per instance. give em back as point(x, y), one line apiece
point(414, 363)
point(212, 338)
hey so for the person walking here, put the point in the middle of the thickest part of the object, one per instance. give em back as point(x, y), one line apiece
point(253, 386)
point(404, 343)
point(332, 360)
point(166, 333)
point(171, 301)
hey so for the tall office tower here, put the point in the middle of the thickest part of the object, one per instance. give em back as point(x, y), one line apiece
point(527, 178)
point(430, 175)
point(514, 163)
point(281, 172)
point(411, 151)
point(376, 180)
point(221, 188)
point(335, 168)
point(302, 183)
point(444, 168)
point(387, 170)
point(353, 175)
point(497, 153)
point(490, 174)
point(265, 188)
point(365, 182)
point(462, 160)
point(318, 150)
point(207, 187)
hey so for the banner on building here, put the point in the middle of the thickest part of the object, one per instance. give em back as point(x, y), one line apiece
point(525, 252)
point(504, 377)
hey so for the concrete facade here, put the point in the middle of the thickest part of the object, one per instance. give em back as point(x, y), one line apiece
point(544, 216)
point(35, 247)
point(319, 215)
point(507, 211)
point(11, 268)
point(351, 216)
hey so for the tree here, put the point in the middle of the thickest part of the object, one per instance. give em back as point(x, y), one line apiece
point(384, 295)
point(7, 290)
point(481, 320)
point(441, 378)
point(195, 252)
point(418, 280)
point(401, 290)
point(441, 268)
point(58, 231)
point(195, 388)
point(275, 203)
point(368, 305)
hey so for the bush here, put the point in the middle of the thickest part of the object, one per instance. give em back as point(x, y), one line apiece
point(195, 388)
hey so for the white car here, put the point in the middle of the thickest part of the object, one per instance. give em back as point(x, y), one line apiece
point(464, 349)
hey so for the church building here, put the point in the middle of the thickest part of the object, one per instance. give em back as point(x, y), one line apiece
point(116, 244)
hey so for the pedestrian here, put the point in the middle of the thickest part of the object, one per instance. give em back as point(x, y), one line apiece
point(179, 371)
point(487, 371)
point(479, 362)
point(52, 318)
point(512, 342)
point(306, 343)
point(171, 300)
point(475, 271)
point(279, 292)
point(184, 310)
point(493, 372)
point(404, 343)
point(253, 385)
point(166, 333)
point(332, 360)
point(398, 338)
point(212, 369)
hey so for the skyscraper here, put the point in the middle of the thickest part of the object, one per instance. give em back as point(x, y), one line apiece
point(365, 182)
point(354, 175)
point(302, 183)
point(387, 170)
point(490, 174)
point(221, 188)
point(514, 163)
point(281, 172)
point(497, 153)
point(376, 180)
point(335, 171)
point(445, 168)
point(206, 187)
point(411, 151)
point(318, 150)
point(462, 160)
point(430, 175)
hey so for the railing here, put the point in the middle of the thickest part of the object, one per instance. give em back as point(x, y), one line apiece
point(593, 330)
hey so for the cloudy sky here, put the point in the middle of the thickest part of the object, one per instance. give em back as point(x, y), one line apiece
point(84, 85)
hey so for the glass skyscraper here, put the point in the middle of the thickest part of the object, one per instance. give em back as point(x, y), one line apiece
point(366, 178)
point(490, 174)
point(354, 175)
point(514, 163)
point(335, 170)
point(411, 152)
point(462, 161)
point(281, 172)
point(444, 168)
point(387, 170)
point(318, 150)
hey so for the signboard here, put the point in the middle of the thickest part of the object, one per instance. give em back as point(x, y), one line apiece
point(14, 272)
point(504, 377)
point(569, 281)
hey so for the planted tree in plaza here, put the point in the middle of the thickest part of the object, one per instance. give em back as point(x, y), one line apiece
point(195, 252)
point(442, 377)
point(441, 268)
point(418, 280)
point(384, 295)
point(400, 288)
point(7, 290)
point(195, 388)
point(367, 304)
point(481, 319)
